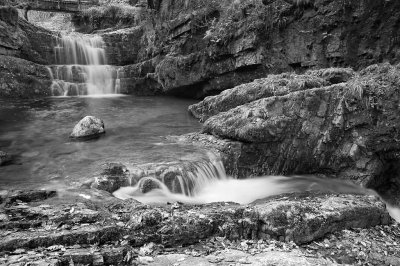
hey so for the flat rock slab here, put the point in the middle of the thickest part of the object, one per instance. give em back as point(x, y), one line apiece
point(91, 227)
point(304, 218)
point(237, 257)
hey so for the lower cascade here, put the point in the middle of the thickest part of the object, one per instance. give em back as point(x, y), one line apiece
point(205, 181)
point(81, 67)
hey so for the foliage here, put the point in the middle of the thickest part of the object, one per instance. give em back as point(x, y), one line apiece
point(239, 17)
point(110, 11)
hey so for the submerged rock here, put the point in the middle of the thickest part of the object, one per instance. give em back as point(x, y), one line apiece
point(5, 158)
point(89, 127)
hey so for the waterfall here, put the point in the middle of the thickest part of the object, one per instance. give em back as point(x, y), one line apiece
point(81, 67)
point(205, 181)
point(185, 179)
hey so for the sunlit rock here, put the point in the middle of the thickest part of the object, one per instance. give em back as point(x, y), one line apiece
point(88, 128)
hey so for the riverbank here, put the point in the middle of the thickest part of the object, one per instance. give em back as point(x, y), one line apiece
point(88, 226)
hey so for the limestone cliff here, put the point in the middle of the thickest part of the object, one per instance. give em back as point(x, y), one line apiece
point(199, 48)
point(202, 47)
point(24, 50)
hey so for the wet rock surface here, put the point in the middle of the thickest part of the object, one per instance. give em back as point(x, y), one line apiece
point(112, 177)
point(178, 176)
point(89, 226)
point(88, 128)
point(345, 130)
point(22, 78)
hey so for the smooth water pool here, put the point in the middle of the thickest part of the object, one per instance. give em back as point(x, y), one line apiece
point(37, 132)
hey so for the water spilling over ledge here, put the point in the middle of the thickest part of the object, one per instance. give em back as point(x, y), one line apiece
point(81, 67)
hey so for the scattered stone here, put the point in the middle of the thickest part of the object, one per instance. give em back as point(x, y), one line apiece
point(89, 127)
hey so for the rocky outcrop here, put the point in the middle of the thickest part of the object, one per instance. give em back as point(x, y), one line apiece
point(197, 49)
point(88, 128)
point(347, 130)
point(274, 85)
point(22, 78)
point(138, 79)
point(23, 47)
point(21, 39)
point(70, 221)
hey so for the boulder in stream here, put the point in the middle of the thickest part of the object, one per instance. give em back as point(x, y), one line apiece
point(147, 184)
point(347, 130)
point(112, 177)
point(89, 127)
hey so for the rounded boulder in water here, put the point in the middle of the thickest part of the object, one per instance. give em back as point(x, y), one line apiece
point(147, 184)
point(88, 128)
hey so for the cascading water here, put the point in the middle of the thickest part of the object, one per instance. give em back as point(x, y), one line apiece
point(81, 67)
point(205, 181)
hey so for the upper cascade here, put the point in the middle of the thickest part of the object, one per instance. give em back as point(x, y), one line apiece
point(80, 50)
point(81, 67)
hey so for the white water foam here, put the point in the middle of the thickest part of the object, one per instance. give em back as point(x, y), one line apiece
point(212, 185)
point(242, 191)
point(81, 67)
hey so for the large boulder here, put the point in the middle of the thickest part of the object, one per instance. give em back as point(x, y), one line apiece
point(88, 128)
point(273, 85)
point(348, 130)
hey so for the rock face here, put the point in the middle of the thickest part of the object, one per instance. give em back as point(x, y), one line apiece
point(273, 85)
point(196, 49)
point(23, 48)
point(22, 78)
point(347, 130)
point(89, 127)
point(21, 39)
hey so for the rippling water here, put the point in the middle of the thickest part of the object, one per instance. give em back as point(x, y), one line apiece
point(37, 133)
